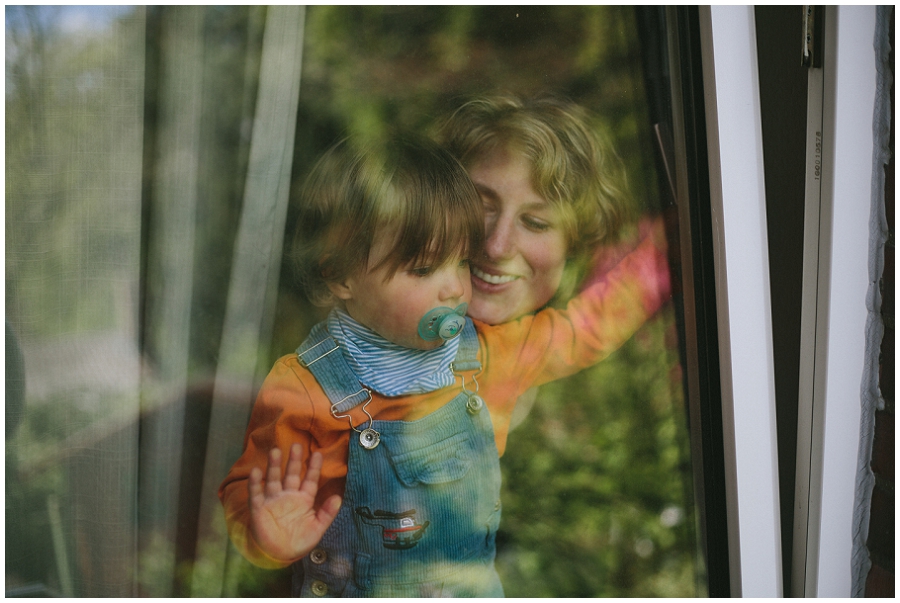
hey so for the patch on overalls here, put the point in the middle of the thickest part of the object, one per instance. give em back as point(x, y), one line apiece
point(398, 530)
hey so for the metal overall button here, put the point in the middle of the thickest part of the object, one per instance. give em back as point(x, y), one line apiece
point(369, 438)
point(474, 404)
point(319, 588)
point(318, 556)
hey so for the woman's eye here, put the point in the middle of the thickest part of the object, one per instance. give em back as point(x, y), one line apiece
point(421, 271)
point(535, 224)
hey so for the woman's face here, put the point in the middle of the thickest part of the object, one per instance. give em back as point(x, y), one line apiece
point(525, 250)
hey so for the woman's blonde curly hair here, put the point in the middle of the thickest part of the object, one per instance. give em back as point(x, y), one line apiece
point(573, 167)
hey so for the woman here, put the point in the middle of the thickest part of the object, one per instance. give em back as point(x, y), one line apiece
point(553, 193)
point(595, 486)
point(554, 199)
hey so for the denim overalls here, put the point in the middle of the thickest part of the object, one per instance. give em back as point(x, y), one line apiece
point(421, 506)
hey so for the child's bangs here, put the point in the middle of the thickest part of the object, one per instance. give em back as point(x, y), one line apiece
point(440, 219)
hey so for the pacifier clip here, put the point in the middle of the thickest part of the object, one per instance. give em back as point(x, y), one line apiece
point(336, 379)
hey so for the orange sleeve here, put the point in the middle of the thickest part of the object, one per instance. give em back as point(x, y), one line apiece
point(556, 343)
point(282, 415)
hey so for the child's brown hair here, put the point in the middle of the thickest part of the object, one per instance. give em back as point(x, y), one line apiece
point(409, 192)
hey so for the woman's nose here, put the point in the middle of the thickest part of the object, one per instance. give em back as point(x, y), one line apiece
point(500, 239)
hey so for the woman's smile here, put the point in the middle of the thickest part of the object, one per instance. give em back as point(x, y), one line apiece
point(493, 278)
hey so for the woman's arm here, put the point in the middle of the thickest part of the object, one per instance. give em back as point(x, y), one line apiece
point(555, 343)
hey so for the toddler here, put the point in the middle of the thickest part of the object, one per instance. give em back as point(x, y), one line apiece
point(397, 404)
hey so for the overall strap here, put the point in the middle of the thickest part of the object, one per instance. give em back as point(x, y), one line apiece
point(332, 372)
point(467, 355)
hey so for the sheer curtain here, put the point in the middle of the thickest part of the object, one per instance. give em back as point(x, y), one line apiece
point(74, 125)
point(149, 154)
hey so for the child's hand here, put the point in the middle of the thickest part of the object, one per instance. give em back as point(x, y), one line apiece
point(282, 518)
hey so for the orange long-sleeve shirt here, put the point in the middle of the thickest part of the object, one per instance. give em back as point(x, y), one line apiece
point(292, 408)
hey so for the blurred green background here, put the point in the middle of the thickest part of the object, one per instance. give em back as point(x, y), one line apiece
point(597, 480)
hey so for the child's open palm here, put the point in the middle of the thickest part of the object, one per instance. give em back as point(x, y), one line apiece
point(283, 518)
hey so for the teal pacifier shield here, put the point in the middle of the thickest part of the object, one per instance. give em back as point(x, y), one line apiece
point(442, 323)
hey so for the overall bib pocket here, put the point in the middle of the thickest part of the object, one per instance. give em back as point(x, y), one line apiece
point(446, 461)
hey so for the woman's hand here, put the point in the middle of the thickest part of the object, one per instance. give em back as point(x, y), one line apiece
point(283, 520)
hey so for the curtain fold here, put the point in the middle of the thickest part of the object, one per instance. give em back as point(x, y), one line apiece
point(169, 289)
point(253, 286)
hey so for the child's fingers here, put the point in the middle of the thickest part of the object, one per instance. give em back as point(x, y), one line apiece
point(273, 473)
point(255, 488)
point(294, 467)
point(310, 483)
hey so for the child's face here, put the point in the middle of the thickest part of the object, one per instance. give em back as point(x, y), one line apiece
point(393, 307)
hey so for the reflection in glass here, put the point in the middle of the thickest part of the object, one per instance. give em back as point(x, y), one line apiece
point(126, 189)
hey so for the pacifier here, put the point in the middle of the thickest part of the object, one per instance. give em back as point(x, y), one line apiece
point(443, 323)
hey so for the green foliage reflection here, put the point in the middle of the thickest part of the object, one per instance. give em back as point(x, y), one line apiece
point(596, 501)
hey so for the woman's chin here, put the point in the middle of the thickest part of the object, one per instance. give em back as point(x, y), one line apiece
point(493, 309)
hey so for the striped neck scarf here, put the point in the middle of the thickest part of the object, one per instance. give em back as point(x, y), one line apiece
point(388, 368)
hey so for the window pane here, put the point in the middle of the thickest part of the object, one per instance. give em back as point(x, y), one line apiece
point(133, 179)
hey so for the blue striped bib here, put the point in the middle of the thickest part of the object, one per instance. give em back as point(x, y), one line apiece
point(388, 368)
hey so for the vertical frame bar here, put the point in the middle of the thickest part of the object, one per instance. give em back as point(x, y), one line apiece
point(698, 281)
point(742, 283)
point(834, 309)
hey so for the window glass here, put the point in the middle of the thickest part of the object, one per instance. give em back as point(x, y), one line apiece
point(142, 311)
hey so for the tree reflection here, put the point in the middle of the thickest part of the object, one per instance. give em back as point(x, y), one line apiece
point(597, 497)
